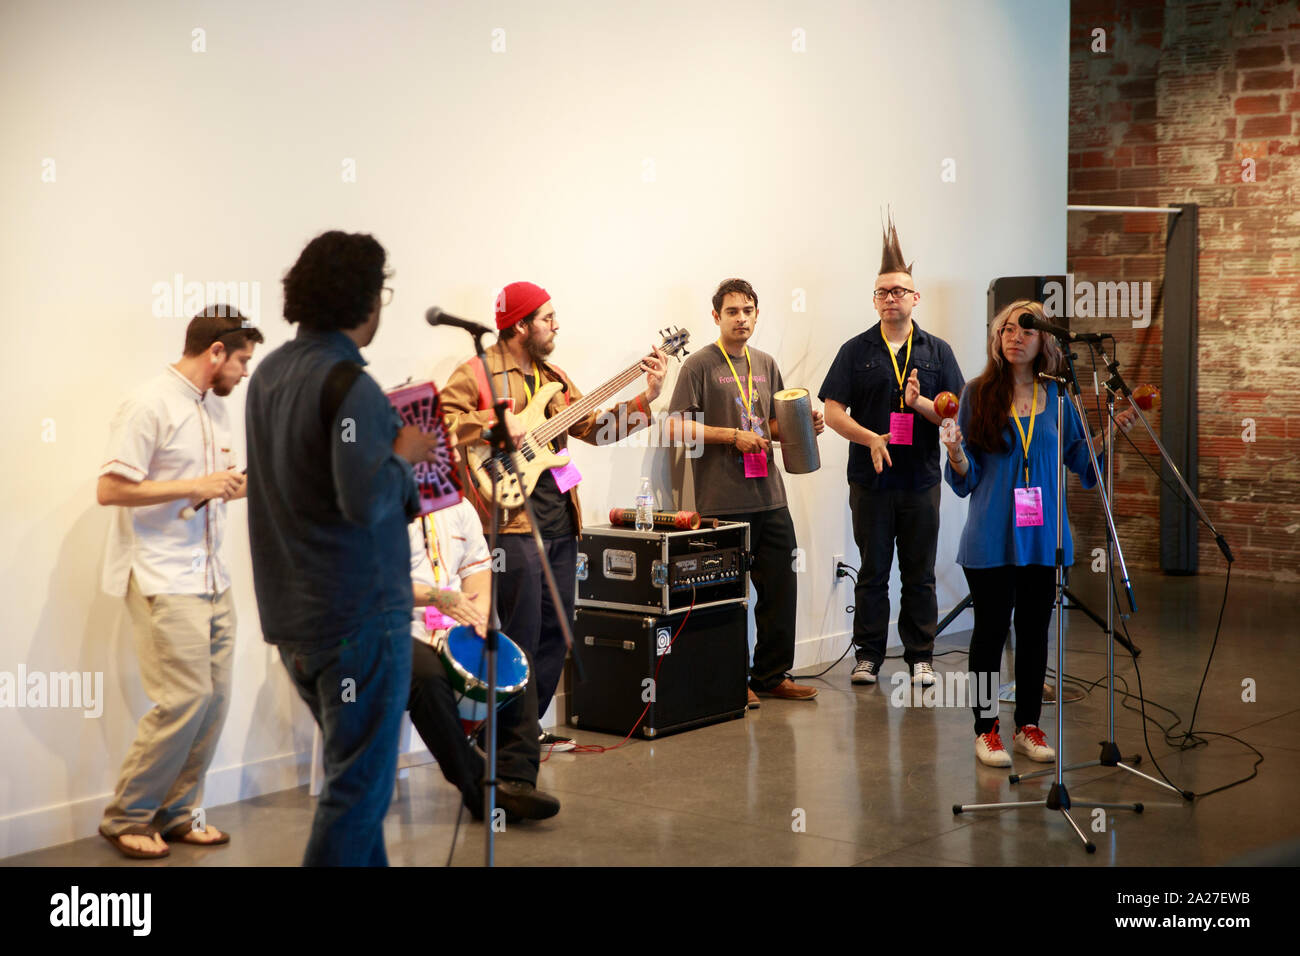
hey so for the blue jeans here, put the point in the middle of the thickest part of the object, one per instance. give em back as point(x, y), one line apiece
point(357, 691)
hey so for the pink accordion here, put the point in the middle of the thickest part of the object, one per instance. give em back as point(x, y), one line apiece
point(418, 405)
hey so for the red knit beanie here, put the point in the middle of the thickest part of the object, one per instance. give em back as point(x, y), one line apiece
point(517, 301)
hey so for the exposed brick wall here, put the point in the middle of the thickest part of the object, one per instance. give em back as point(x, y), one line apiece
point(1183, 94)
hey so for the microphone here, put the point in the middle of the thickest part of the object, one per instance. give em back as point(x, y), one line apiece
point(1027, 320)
point(435, 316)
point(189, 511)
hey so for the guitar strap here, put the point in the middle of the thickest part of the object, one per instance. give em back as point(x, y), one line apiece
point(558, 374)
point(481, 379)
point(485, 392)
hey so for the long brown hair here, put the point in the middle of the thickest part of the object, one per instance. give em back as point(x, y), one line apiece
point(989, 394)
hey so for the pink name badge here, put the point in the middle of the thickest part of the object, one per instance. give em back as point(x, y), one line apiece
point(1029, 507)
point(435, 620)
point(566, 476)
point(900, 428)
point(756, 464)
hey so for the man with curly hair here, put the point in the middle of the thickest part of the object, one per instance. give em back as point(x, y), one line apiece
point(330, 492)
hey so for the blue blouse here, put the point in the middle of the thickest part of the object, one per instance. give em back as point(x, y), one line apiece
point(991, 538)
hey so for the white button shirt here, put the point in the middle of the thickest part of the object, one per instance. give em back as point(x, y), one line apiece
point(168, 430)
point(460, 549)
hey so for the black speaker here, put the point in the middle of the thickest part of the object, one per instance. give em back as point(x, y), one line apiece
point(703, 677)
point(1007, 289)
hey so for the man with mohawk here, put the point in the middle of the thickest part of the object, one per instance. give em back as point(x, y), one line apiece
point(879, 394)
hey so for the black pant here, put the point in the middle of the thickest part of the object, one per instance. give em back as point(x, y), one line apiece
point(526, 611)
point(433, 712)
point(880, 518)
point(1031, 590)
point(772, 543)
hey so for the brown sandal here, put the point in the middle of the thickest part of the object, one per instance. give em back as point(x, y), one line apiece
point(135, 829)
point(180, 834)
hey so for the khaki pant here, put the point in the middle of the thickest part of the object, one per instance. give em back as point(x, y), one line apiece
point(186, 645)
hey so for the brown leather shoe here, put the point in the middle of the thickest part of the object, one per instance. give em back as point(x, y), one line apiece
point(752, 703)
point(789, 690)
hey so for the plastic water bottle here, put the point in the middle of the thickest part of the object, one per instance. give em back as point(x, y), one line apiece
point(645, 507)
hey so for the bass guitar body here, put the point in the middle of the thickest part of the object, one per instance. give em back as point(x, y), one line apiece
point(531, 457)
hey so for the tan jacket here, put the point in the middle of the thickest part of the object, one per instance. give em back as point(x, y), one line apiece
point(460, 401)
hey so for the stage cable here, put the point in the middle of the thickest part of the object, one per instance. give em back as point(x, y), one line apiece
point(599, 749)
point(849, 609)
point(1189, 739)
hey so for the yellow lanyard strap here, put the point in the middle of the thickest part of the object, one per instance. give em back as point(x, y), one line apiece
point(537, 383)
point(1025, 440)
point(894, 359)
point(431, 548)
point(747, 399)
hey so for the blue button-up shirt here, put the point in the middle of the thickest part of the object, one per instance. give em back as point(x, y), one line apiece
point(991, 538)
point(327, 513)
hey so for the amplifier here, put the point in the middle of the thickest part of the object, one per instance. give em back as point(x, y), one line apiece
point(621, 569)
point(702, 678)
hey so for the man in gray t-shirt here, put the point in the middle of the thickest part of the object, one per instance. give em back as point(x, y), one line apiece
point(727, 388)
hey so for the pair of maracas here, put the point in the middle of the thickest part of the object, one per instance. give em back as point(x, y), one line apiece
point(946, 406)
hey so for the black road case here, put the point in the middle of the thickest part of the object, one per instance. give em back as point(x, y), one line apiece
point(703, 678)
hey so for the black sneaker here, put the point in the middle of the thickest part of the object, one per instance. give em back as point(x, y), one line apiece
point(864, 672)
point(523, 801)
point(556, 744)
point(520, 801)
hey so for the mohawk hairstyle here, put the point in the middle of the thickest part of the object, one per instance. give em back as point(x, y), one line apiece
point(891, 256)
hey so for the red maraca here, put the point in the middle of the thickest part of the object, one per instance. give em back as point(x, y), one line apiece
point(1144, 396)
point(945, 405)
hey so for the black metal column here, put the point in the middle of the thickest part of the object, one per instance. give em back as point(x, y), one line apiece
point(1178, 414)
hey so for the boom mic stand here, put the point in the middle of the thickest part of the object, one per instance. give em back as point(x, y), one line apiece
point(1110, 755)
point(1058, 798)
point(499, 440)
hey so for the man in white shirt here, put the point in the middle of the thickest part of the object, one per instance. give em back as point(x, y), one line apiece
point(451, 575)
point(170, 450)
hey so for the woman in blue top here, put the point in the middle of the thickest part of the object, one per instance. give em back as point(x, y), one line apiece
point(1007, 464)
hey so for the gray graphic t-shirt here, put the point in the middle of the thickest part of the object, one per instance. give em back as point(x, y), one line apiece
point(707, 387)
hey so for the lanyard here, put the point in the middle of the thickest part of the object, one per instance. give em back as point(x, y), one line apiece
point(1025, 440)
point(537, 383)
point(431, 547)
point(893, 358)
point(747, 399)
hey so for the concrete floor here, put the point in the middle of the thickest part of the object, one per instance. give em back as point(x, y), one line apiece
point(876, 783)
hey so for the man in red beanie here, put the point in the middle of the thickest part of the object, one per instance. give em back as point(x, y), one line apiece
point(519, 365)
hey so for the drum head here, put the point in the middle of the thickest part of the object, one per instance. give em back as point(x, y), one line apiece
point(464, 653)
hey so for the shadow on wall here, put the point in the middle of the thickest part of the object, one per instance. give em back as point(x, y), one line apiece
point(80, 629)
point(84, 630)
point(280, 731)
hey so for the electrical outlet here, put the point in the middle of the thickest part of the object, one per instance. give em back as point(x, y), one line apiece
point(835, 567)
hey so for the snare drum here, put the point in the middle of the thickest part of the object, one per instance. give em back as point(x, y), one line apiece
point(464, 654)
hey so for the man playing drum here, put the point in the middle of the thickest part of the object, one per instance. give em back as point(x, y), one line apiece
point(451, 575)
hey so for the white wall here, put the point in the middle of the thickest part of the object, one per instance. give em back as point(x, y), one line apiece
point(474, 169)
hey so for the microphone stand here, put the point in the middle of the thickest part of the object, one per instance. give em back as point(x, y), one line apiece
point(1058, 797)
point(1110, 755)
point(498, 437)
